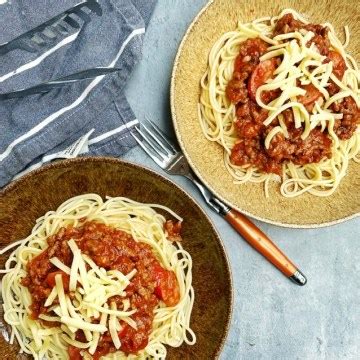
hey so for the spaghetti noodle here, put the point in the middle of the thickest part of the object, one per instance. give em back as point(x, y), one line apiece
point(84, 283)
point(282, 97)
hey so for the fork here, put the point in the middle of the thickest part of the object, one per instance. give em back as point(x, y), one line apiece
point(172, 160)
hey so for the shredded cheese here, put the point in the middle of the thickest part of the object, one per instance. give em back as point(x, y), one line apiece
point(303, 63)
point(75, 264)
point(49, 301)
point(95, 341)
point(55, 261)
point(78, 324)
point(61, 295)
point(90, 291)
point(113, 328)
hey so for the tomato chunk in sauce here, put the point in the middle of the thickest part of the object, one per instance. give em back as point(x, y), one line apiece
point(109, 248)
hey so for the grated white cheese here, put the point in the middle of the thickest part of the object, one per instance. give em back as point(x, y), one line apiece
point(304, 64)
point(75, 264)
point(113, 328)
point(55, 261)
point(78, 324)
point(86, 307)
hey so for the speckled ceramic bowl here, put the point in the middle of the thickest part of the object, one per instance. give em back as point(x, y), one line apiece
point(206, 158)
point(23, 201)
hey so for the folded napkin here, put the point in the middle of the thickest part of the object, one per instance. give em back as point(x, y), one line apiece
point(90, 117)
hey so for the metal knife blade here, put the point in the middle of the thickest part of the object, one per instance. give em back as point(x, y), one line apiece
point(58, 83)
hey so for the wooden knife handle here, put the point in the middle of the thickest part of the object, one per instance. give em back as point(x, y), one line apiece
point(258, 240)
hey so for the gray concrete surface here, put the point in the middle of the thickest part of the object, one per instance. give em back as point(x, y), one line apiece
point(272, 318)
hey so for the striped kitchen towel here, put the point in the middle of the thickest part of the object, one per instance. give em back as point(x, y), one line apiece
point(90, 117)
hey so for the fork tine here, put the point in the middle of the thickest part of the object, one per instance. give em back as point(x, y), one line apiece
point(157, 130)
point(150, 142)
point(147, 150)
point(157, 140)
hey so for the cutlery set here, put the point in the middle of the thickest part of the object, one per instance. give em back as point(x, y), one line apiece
point(45, 36)
point(148, 136)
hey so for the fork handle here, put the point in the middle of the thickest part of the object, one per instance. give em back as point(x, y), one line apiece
point(258, 240)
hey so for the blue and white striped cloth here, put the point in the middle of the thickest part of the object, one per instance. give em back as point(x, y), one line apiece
point(91, 117)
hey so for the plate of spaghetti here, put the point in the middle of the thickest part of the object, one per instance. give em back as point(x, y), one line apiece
point(272, 117)
point(102, 268)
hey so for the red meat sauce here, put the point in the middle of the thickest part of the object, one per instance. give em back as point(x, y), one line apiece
point(111, 249)
point(249, 74)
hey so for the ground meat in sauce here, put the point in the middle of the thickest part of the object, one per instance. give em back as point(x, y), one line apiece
point(288, 24)
point(173, 230)
point(250, 149)
point(111, 249)
point(345, 127)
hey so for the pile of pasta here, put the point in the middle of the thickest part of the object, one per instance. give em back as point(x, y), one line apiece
point(91, 286)
point(301, 64)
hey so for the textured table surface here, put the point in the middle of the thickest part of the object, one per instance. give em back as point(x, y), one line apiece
point(272, 318)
